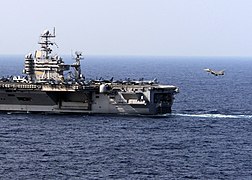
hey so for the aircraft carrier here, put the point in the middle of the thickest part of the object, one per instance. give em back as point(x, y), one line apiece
point(45, 88)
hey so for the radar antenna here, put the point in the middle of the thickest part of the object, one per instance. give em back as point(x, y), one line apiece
point(77, 65)
point(46, 43)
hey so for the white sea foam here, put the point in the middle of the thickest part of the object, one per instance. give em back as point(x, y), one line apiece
point(215, 116)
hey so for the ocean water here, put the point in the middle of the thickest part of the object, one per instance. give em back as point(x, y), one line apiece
point(208, 135)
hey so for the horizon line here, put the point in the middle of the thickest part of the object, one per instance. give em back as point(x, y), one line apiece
point(148, 55)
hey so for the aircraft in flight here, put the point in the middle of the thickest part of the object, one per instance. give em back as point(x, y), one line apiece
point(216, 73)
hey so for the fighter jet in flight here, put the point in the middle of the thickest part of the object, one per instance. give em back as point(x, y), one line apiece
point(216, 73)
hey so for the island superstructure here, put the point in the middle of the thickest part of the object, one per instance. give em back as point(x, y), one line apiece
point(46, 88)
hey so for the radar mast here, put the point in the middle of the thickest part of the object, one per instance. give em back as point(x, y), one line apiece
point(46, 43)
point(77, 66)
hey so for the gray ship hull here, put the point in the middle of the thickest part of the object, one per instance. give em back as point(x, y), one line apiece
point(19, 97)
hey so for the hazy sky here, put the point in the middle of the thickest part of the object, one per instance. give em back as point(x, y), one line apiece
point(130, 27)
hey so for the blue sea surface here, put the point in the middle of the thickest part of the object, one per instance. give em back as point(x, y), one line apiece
point(208, 135)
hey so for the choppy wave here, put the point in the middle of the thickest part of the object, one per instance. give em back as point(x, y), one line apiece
point(227, 116)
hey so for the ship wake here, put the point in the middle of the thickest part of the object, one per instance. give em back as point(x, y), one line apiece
point(217, 116)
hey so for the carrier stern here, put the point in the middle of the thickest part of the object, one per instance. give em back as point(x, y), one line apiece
point(161, 98)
